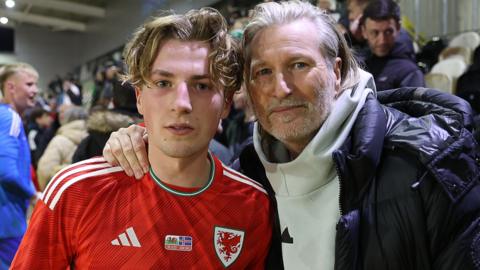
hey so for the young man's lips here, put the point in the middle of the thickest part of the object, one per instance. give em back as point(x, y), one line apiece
point(180, 129)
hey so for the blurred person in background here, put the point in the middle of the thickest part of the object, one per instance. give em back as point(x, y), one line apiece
point(18, 83)
point(349, 26)
point(468, 88)
point(468, 84)
point(391, 61)
point(106, 80)
point(39, 122)
point(240, 128)
point(70, 94)
point(102, 122)
point(61, 148)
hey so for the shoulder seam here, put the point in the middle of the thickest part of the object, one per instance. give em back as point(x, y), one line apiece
point(79, 178)
point(243, 179)
point(93, 164)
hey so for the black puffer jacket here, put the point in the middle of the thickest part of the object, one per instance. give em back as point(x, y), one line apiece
point(409, 186)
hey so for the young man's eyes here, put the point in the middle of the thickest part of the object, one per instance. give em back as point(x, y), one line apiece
point(163, 84)
point(202, 86)
point(198, 86)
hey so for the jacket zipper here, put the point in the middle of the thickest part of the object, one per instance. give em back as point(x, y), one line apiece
point(340, 181)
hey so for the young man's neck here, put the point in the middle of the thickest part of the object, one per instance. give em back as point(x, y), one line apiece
point(190, 172)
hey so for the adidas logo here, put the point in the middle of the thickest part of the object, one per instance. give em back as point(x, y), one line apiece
point(125, 241)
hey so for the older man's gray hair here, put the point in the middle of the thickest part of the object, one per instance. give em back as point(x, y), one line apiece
point(332, 43)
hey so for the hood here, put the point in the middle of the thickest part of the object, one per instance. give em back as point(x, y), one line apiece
point(438, 132)
point(109, 121)
point(438, 118)
point(423, 121)
point(75, 131)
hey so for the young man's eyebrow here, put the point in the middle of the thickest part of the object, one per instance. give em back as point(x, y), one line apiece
point(162, 73)
point(165, 73)
point(201, 77)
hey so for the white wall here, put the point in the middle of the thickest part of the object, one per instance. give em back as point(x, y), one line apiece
point(51, 53)
point(429, 16)
point(6, 58)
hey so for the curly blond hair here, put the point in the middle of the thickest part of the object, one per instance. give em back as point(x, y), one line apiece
point(205, 24)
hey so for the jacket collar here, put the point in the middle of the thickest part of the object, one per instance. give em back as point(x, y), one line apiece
point(359, 156)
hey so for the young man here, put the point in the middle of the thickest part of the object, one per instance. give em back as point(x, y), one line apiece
point(357, 184)
point(18, 83)
point(191, 212)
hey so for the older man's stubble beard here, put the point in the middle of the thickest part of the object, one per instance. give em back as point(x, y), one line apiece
point(297, 129)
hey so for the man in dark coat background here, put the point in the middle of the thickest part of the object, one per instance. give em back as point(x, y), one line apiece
point(392, 59)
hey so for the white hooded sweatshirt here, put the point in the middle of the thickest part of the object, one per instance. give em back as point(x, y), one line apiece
point(307, 188)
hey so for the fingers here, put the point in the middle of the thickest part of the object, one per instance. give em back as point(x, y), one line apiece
point(127, 148)
point(114, 154)
point(138, 141)
point(108, 155)
point(129, 143)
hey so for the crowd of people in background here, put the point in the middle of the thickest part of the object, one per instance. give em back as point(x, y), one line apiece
point(68, 123)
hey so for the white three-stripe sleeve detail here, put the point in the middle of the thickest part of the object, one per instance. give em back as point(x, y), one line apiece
point(232, 171)
point(54, 182)
point(133, 237)
point(15, 126)
point(51, 182)
point(239, 179)
point(79, 178)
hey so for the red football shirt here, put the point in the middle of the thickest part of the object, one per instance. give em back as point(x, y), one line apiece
point(94, 216)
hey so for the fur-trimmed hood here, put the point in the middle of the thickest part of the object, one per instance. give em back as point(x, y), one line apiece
point(109, 121)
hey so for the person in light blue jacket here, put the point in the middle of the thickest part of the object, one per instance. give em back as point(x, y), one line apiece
point(18, 83)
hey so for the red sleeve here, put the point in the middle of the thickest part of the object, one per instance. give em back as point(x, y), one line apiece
point(47, 244)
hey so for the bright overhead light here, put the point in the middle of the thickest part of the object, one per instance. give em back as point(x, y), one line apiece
point(9, 3)
point(3, 20)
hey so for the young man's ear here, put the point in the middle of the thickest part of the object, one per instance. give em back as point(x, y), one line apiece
point(9, 88)
point(138, 95)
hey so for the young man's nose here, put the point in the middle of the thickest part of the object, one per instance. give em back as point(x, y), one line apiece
point(182, 101)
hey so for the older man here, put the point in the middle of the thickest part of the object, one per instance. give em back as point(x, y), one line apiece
point(18, 83)
point(356, 184)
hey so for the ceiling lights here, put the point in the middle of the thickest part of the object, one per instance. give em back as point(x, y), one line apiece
point(3, 20)
point(9, 3)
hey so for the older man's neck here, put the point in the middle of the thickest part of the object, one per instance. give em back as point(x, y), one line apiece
point(295, 149)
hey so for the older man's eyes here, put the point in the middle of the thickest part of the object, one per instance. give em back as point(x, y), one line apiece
point(299, 65)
